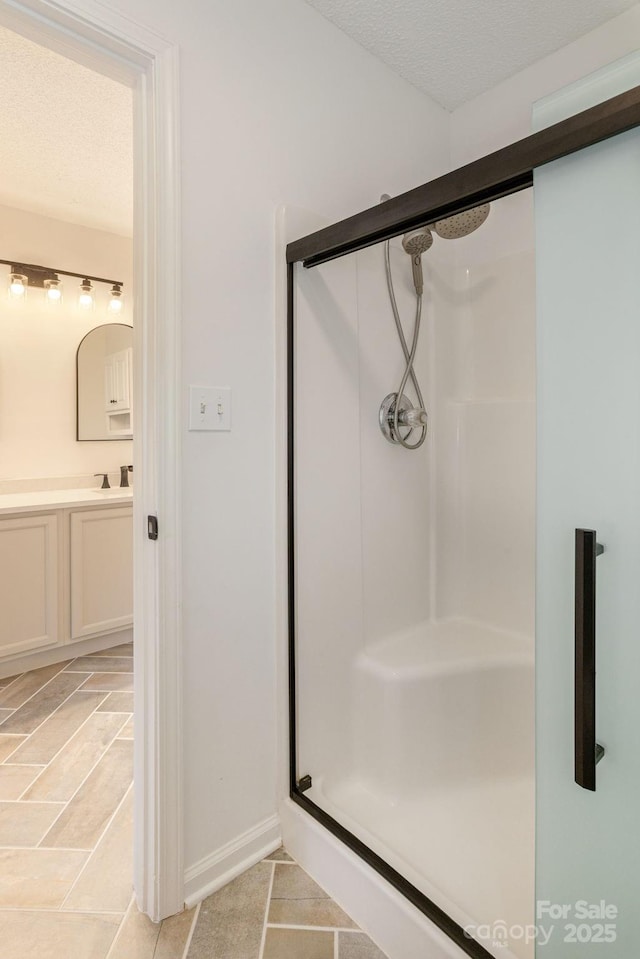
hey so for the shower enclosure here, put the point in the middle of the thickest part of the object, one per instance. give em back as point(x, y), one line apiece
point(412, 572)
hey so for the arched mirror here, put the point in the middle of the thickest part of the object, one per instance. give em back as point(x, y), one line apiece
point(104, 373)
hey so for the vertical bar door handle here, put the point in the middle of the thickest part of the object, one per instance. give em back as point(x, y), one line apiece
point(587, 751)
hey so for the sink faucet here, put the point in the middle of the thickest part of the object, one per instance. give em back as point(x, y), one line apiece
point(105, 480)
point(124, 475)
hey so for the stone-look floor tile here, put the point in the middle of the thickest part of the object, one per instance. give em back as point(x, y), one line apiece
point(298, 944)
point(127, 730)
point(24, 824)
point(174, 933)
point(58, 728)
point(15, 779)
point(76, 759)
point(356, 945)
point(309, 912)
point(26, 685)
point(137, 937)
point(279, 855)
point(103, 664)
point(106, 881)
point(231, 920)
point(296, 900)
point(125, 649)
point(292, 882)
point(85, 817)
point(39, 707)
point(4, 714)
point(117, 703)
point(7, 680)
point(53, 935)
point(38, 878)
point(120, 682)
point(8, 745)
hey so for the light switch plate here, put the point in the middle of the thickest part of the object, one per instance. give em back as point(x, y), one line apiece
point(209, 408)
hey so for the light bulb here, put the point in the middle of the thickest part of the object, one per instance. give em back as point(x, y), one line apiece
point(85, 300)
point(53, 290)
point(115, 303)
point(17, 286)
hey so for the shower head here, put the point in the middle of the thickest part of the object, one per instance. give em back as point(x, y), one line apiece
point(417, 241)
point(461, 224)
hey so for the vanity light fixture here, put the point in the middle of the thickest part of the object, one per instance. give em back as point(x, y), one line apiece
point(115, 300)
point(85, 300)
point(17, 285)
point(23, 275)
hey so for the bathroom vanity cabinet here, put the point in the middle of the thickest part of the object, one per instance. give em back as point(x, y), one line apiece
point(66, 569)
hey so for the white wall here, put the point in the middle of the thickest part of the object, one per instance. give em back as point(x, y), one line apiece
point(38, 349)
point(277, 106)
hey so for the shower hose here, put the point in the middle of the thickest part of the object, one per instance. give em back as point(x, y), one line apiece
point(405, 419)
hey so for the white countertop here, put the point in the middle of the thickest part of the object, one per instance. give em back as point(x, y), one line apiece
point(63, 499)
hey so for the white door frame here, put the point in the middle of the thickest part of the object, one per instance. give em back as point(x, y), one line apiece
point(90, 33)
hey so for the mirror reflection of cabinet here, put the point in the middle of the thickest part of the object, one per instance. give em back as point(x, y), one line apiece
point(118, 391)
point(117, 370)
point(104, 383)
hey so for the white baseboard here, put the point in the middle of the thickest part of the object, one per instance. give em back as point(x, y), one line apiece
point(397, 927)
point(58, 654)
point(220, 867)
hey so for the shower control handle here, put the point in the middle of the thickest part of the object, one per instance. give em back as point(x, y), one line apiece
point(588, 752)
point(415, 418)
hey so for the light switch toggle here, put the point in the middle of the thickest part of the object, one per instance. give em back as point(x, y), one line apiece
point(210, 408)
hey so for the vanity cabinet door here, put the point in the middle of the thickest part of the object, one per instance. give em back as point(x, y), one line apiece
point(101, 554)
point(29, 586)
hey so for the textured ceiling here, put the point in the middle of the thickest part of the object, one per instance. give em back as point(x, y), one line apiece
point(65, 138)
point(456, 49)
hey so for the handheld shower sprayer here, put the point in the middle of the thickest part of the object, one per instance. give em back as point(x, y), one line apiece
point(415, 244)
point(398, 416)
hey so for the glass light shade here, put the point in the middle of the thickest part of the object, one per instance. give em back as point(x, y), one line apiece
point(85, 300)
point(17, 286)
point(53, 291)
point(116, 301)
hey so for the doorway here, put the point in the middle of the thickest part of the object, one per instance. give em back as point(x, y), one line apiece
point(116, 48)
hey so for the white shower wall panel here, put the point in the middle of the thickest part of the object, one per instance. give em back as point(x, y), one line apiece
point(362, 505)
point(485, 442)
point(499, 320)
point(498, 516)
point(395, 483)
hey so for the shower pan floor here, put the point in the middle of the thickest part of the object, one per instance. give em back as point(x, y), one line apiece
point(441, 781)
point(464, 848)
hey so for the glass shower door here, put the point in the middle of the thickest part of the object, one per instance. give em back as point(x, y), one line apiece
point(588, 599)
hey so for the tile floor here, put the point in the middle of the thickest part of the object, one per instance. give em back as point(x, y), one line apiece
point(66, 770)
point(276, 911)
point(66, 841)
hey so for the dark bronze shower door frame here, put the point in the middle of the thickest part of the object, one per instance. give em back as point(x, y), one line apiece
point(496, 175)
